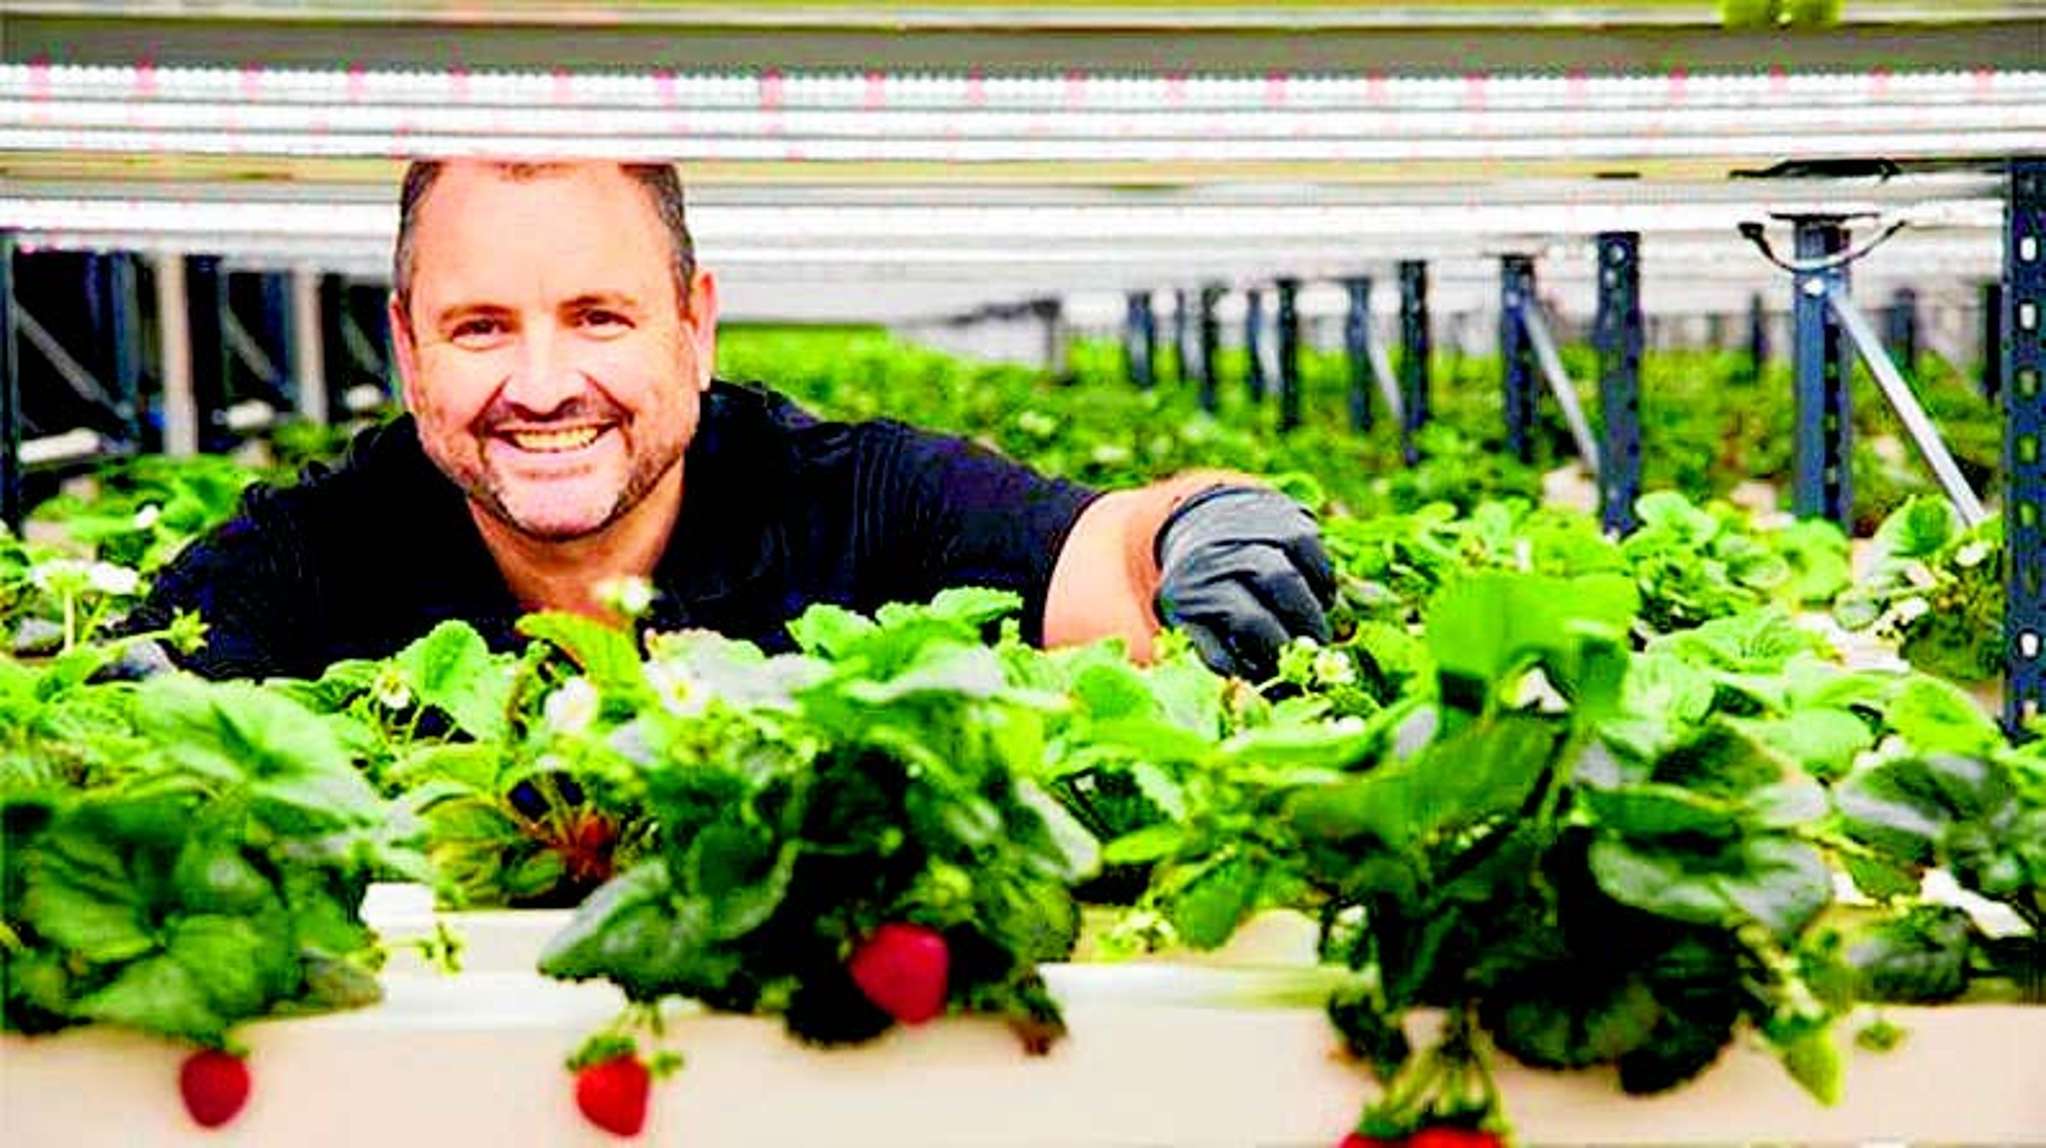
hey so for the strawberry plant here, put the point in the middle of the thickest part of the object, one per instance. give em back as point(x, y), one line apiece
point(849, 835)
point(217, 881)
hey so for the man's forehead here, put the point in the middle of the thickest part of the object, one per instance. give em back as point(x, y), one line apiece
point(478, 223)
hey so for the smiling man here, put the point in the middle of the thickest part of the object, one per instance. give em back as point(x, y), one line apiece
point(555, 337)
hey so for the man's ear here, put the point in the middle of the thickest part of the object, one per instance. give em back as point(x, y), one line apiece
point(701, 325)
point(404, 347)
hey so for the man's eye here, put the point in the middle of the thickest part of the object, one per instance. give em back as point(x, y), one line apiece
point(596, 317)
point(474, 330)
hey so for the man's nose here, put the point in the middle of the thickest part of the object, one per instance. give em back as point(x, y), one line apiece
point(545, 379)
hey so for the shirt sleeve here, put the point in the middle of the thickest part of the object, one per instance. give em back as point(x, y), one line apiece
point(249, 582)
point(935, 512)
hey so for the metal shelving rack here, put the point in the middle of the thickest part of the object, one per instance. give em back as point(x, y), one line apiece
point(930, 161)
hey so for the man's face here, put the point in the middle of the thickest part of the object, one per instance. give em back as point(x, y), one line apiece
point(545, 354)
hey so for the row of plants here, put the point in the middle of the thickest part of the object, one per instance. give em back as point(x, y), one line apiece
point(1587, 797)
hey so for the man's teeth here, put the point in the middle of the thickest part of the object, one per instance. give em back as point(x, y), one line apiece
point(558, 440)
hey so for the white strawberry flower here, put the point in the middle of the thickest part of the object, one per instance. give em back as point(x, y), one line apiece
point(390, 689)
point(1333, 668)
point(630, 595)
point(572, 708)
point(1971, 555)
point(148, 516)
point(118, 581)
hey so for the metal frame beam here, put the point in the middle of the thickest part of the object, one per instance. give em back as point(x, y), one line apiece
point(1823, 485)
point(2024, 365)
point(1617, 335)
point(1357, 350)
point(1254, 376)
point(1140, 341)
point(1415, 347)
point(1211, 345)
point(1516, 356)
point(1289, 354)
point(11, 501)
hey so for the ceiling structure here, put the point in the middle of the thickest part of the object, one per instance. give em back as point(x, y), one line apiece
point(898, 162)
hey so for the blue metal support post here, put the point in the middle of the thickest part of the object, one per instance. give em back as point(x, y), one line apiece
point(1180, 327)
point(123, 339)
point(1254, 343)
point(1900, 330)
point(277, 335)
point(1516, 354)
point(1211, 347)
point(1415, 349)
point(1758, 333)
point(206, 311)
point(1618, 336)
point(1992, 341)
point(1823, 487)
point(1289, 354)
point(2024, 500)
point(11, 503)
point(1140, 341)
point(1357, 351)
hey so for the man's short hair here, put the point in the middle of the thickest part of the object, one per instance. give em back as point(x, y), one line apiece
point(660, 181)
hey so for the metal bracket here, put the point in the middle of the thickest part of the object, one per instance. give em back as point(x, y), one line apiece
point(2024, 469)
point(1617, 334)
point(1560, 384)
point(1894, 387)
point(1289, 354)
point(1415, 350)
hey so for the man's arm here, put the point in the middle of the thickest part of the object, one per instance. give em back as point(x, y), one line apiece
point(1237, 565)
point(1106, 581)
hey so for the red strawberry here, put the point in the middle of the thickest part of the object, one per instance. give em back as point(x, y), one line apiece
point(215, 1085)
point(612, 1094)
point(1449, 1137)
point(903, 969)
point(1359, 1140)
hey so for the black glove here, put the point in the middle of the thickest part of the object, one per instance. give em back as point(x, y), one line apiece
point(1242, 571)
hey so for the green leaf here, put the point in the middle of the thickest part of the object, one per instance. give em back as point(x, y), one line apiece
point(1814, 1062)
point(607, 656)
point(1484, 626)
point(1487, 769)
point(82, 898)
point(1776, 881)
point(1207, 906)
point(1936, 717)
point(1151, 843)
point(1109, 691)
point(159, 995)
point(1904, 806)
point(233, 962)
point(1917, 529)
point(535, 875)
point(639, 933)
point(235, 733)
point(1573, 1026)
point(1918, 958)
point(453, 670)
point(1824, 742)
point(1656, 810)
point(829, 631)
point(741, 875)
point(213, 876)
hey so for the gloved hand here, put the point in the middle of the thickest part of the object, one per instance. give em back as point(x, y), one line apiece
point(1242, 571)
